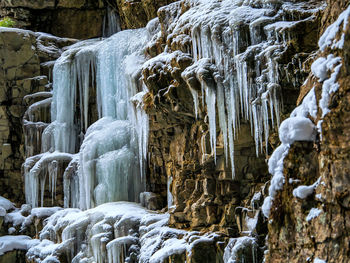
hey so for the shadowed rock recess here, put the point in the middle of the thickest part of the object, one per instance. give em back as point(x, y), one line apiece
point(198, 131)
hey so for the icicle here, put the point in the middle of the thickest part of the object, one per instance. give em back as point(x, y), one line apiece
point(169, 194)
point(203, 145)
point(210, 99)
point(31, 182)
point(111, 23)
point(195, 101)
point(107, 164)
point(71, 183)
point(138, 116)
point(35, 172)
point(39, 111)
point(85, 67)
point(231, 122)
point(117, 248)
point(33, 132)
point(222, 117)
point(52, 169)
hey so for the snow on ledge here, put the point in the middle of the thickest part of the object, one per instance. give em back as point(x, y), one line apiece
point(295, 128)
point(9, 243)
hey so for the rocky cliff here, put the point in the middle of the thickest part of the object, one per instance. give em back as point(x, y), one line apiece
point(247, 116)
point(314, 226)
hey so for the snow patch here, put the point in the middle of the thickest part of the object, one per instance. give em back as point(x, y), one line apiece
point(328, 39)
point(308, 107)
point(6, 204)
point(303, 191)
point(318, 260)
point(314, 212)
point(296, 129)
point(234, 250)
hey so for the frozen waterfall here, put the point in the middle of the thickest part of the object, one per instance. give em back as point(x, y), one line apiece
point(98, 137)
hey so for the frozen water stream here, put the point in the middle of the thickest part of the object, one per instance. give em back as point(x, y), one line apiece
point(109, 153)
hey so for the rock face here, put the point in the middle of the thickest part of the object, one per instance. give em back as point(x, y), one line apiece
point(137, 13)
point(78, 18)
point(13, 256)
point(204, 195)
point(23, 55)
point(316, 227)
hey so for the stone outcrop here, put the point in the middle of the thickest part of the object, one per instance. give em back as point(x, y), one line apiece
point(79, 19)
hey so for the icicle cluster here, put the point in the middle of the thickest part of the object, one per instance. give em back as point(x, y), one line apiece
point(236, 47)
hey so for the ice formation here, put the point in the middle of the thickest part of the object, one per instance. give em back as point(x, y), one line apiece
point(101, 157)
point(111, 22)
point(112, 232)
point(236, 252)
point(18, 219)
point(318, 260)
point(230, 42)
point(6, 204)
point(100, 152)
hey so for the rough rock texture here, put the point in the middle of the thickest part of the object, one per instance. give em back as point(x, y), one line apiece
point(79, 19)
point(23, 55)
point(291, 236)
point(16, 256)
point(76, 18)
point(204, 194)
point(175, 146)
point(136, 13)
